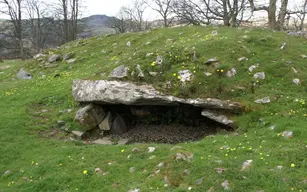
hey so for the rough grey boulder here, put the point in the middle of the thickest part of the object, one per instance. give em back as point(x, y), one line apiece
point(39, 56)
point(106, 124)
point(263, 100)
point(185, 75)
point(70, 61)
point(119, 125)
point(115, 92)
point(68, 56)
point(90, 116)
point(140, 72)
point(260, 75)
point(212, 60)
point(119, 72)
point(22, 74)
point(53, 58)
point(217, 116)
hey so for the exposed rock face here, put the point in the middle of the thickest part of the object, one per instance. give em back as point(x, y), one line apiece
point(54, 58)
point(39, 56)
point(186, 75)
point(119, 72)
point(22, 74)
point(90, 116)
point(217, 116)
point(119, 126)
point(67, 56)
point(106, 124)
point(70, 61)
point(114, 92)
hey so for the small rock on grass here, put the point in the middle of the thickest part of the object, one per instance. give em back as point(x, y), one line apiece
point(60, 123)
point(283, 46)
point(152, 157)
point(243, 59)
point(226, 185)
point(78, 134)
point(279, 167)
point(134, 190)
point(287, 134)
point(296, 81)
point(104, 141)
point(7, 172)
point(220, 170)
point(186, 172)
point(135, 150)
point(246, 164)
point(131, 169)
point(185, 156)
point(151, 149)
point(260, 75)
point(263, 100)
point(200, 181)
point(212, 60)
point(123, 141)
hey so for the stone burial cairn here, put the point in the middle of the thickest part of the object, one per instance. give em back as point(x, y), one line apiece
point(102, 100)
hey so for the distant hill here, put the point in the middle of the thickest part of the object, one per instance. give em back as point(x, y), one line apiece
point(96, 25)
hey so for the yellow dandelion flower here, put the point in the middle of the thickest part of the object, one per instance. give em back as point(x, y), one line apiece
point(174, 74)
point(153, 64)
point(222, 71)
point(123, 150)
point(85, 172)
point(179, 77)
point(182, 67)
point(292, 165)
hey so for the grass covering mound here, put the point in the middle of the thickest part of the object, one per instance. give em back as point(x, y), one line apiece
point(32, 146)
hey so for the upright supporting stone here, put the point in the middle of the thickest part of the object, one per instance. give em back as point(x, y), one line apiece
point(105, 125)
point(119, 126)
point(90, 116)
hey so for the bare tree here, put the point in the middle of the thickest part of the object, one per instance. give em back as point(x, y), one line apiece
point(163, 7)
point(120, 22)
point(230, 12)
point(38, 25)
point(190, 11)
point(13, 9)
point(67, 13)
point(271, 10)
point(135, 15)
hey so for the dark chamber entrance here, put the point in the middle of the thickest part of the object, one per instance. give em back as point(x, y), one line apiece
point(163, 124)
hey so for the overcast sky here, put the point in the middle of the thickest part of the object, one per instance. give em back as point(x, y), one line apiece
point(111, 7)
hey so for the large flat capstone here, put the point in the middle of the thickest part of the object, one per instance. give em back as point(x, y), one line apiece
point(127, 93)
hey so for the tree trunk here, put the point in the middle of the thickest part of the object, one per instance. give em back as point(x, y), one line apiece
point(272, 14)
point(65, 16)
point(226, 18)
point(282, 14)
point(304, 16)
point(165, 21)
point(19, 31)
point(234, 14)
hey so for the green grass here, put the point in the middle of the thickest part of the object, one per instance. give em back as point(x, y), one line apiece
point(42, 161)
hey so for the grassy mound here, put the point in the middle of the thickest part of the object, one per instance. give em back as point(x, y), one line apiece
point(33, 147)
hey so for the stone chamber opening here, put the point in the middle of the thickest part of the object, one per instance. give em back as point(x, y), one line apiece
point(154, 124)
